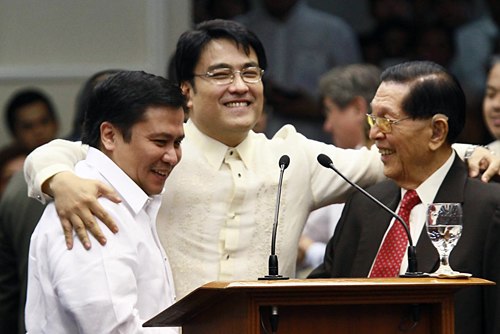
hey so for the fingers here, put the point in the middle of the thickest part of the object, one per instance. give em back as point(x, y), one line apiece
point(81, 232)
point(492, 170)
point(483, 160)
point(76, 224)
point(84, 220)
point(108, 192)
point(100, 213)
point(68, 233)
point(77, 205)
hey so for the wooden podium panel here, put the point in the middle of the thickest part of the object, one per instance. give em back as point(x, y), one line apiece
point(356, 306)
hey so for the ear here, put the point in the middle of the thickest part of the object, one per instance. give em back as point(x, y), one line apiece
point(187, 89)
point(108, 136)
point(439, 127)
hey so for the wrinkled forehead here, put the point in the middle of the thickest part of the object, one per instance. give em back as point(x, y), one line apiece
point(389, 97)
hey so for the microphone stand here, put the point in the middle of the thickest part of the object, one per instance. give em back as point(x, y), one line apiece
point(273, 258)
point(412, 270)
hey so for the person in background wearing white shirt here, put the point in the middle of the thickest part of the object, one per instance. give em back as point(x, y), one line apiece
point(346, 92)
point(218, 212)
point(134, 127)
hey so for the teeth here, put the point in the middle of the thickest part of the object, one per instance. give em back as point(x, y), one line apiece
point(162, 173)
point(385, 151)
point(236, 104)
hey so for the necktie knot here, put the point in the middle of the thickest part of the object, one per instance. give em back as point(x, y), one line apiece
point(410, 199)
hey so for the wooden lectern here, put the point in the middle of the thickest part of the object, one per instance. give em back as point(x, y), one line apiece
point(318, 306)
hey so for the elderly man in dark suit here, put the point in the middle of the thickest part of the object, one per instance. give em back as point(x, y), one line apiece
point(417, 113)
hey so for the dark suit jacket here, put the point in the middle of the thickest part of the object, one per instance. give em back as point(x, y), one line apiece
point(19, 215)
point(352, 249)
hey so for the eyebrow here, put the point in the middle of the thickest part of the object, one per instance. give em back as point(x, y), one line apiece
point(225, 65)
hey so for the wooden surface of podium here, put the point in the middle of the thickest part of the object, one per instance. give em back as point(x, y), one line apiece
point(318, 306)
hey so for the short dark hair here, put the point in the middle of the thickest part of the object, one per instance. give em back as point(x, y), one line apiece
point(191, 44)
point(82, 100)
point(434, 90)
point(22, 98)
point(122, 99)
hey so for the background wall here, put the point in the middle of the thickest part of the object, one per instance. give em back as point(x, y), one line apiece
point(55, 45)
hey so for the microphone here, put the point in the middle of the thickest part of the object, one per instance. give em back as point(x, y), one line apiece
point(412, 270)
point(273, 258)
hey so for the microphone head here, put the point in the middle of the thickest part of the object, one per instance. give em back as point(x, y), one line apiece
point(324, 160)
point(284, 161)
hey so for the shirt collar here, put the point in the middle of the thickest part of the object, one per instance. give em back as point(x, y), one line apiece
point(428, 189)
point(214, 151)
point(126, 188)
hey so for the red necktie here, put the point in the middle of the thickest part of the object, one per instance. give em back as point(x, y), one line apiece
point(391, 253)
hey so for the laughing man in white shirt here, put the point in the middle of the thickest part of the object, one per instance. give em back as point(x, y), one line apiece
point(134, 126)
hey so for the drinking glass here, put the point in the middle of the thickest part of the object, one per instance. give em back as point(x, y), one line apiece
point(444, 227)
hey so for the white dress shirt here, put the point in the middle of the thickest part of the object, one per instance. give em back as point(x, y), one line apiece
point(216, 218)
point(112, 289)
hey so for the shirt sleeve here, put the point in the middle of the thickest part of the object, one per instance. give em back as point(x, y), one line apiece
point(47, 160)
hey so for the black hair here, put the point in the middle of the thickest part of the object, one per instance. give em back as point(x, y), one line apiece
point(123, 98)
point(191, 44)
point(434, 90)
point(23, 98)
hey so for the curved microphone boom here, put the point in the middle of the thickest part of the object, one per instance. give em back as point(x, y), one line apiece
point(273, 258)
point(412, 271)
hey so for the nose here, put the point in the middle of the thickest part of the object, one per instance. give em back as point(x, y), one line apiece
point(172, 155)
point(238, 85)
point(375, 133)
point(496, 102)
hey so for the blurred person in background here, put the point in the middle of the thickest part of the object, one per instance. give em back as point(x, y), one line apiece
point(19, 215)
point(491, 104)
point(31, 118)
point(11, 161)
point(32, 121)
point(301, 43)
point(346, 94)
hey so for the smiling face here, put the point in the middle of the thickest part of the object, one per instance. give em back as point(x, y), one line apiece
point(153, 149)
point(408, 151)
point(224, 112)
point(491, 102)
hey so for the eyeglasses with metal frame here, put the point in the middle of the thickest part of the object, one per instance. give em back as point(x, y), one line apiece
point(225, 75)
point(384, 124)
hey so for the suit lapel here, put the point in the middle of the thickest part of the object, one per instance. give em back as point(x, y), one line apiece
point(373, 232)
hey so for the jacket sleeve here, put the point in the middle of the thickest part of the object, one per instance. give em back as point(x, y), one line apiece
point(47, 160)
